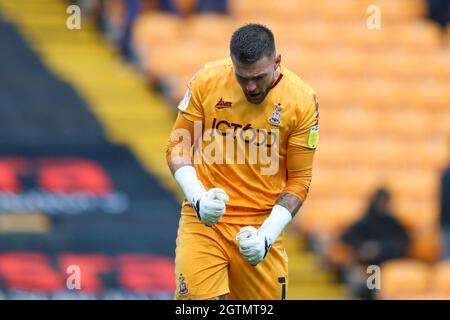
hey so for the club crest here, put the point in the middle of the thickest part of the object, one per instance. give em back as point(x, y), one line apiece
point(183, 287)
point(275, 118)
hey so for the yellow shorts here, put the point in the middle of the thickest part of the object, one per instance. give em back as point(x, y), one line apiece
point(208, 264)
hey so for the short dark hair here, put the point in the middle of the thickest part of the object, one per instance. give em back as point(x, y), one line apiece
point(251, 42)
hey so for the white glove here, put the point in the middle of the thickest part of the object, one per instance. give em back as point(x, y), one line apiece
point(210, 207)
point(253, 244)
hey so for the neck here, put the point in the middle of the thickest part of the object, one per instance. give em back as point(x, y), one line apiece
point(277, 77)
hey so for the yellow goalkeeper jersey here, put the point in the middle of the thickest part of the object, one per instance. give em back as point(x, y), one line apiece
point(245, 148)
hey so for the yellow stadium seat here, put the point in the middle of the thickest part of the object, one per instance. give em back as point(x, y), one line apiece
point(434, 153)
point(346, 63)
point(441, 126)
point(406, 121)
point(248, 8)
point(407, 64)
point(387, 94)
point(322, 216)
point(184, 7)
point(210, 28)
point(337, 93)
point(381, 150)
point(415, 214)
point(441, 280)
point(400, 10)
point(422, 224)
point(418, 35)
point(343, 10)
point(286, 9)
point(153, 29)
point(352, 120)
point(305, 60)
point(439, 67)
point(314, 33)
point(404, 279)
point(426, 243)
point(344, 182)
point(335, 151)
point(289, 10)
point(196, 52)
point(431, 96)
point(159, 60)
point(337, 253)
point(414, 184)
point(182, 57)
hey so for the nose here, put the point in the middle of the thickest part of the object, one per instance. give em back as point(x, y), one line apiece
point(250, 86)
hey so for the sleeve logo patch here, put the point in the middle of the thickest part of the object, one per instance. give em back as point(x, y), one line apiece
point(313, 138)
point(185, 102)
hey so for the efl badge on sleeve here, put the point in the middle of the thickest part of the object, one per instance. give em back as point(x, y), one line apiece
point(313, 138)
point(275, 118)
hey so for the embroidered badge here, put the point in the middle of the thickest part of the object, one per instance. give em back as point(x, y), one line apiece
point(313, 138)
point(275, 118)
point(183, 287)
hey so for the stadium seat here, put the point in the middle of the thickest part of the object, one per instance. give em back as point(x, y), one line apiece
point(248, 8)
point(426, 244)
point(322, 216)
point(210, 29)
point(404, 279)
point(413, 184)
point(401, 10)
point(344, 10)
point(335, 151)
point(344, 182)
point(336, 253)
point(441, 280)
point(383, 97)
point(434, 153)
point(158, 60)
point(431, 96)
point(184, 7)
point(417, 220)
point(195, 53)
point(287, 9)
point(423, 36)
point(154, 29)
point(442, 128)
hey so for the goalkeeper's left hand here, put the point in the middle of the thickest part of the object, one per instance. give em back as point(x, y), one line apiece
point(253, 244)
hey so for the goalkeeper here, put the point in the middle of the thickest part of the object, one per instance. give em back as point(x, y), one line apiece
point(229, 242)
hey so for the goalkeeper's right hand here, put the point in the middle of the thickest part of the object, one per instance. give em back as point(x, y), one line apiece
point(210, 206)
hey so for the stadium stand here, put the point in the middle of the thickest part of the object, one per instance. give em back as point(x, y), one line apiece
point(415, 279)
point(78, 120)
point(384, 102)
point(385, 116)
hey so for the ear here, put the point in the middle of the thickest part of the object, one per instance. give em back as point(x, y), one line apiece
point(276, 72)
point(277, 61)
